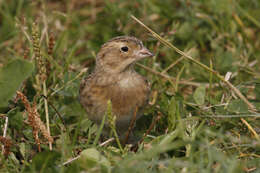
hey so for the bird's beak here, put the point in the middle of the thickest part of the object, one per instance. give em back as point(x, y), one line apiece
point(144, 52)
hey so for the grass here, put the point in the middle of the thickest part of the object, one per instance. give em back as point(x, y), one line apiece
point(204, 78)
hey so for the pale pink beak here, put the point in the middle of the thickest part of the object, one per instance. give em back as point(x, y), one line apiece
point(143, 53)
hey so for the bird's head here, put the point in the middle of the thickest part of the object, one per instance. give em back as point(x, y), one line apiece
point(120, 53)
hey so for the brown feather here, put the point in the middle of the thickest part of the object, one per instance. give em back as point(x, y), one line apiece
point(115, 79)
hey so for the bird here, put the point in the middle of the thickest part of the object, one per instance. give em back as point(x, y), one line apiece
point(114, 79)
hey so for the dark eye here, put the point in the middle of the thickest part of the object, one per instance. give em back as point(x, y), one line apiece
point(124, 49)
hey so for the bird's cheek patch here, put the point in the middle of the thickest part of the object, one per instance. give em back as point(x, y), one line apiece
point(112, 64)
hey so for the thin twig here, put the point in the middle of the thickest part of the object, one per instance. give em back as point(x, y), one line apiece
point(71, 160)
point(241, 96)
point(106, 142)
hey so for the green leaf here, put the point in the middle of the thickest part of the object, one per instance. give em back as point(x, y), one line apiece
point(91, 158)
point(11, 77)
point(199, 95)
point(237, 106)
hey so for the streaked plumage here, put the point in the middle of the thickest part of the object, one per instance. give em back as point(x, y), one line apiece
point(115, 79)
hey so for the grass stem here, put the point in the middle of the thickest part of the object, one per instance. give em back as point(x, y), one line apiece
point(46, 111)
point(165, 42)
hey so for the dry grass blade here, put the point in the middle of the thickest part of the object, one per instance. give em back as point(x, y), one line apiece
point(176, 62)
point(82, 72)
point(184, 82)
point(57, 112)
point(5, 126)
point(70, 160)
point(232, 87)
point(250, 128)
point(106, 142)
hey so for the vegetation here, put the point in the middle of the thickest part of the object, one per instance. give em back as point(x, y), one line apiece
point(203, 114)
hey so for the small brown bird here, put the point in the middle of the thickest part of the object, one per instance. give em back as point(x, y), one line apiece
point(115, 79)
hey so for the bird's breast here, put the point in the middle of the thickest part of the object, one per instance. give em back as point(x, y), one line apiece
point(130, 83)
point(129, 93)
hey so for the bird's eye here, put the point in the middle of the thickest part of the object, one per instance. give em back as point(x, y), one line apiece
point(124, 48)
